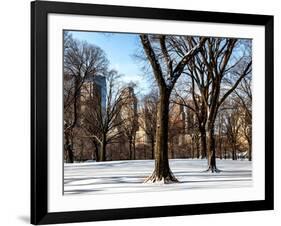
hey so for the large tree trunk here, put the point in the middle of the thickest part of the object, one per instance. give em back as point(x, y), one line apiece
point(203, 143)
point(212, 167)
point(162, 170)
point(152, 148)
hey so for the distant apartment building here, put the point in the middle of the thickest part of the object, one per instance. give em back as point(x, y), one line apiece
point(92, 91)
point(94, 87)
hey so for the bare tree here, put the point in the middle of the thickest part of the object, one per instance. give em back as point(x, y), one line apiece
point(102, 121)
point(244, 94)
point(220, 128)
point(193, 89)
point(166, 76)
point(232, 121)
point(148, 118)
point(177, 127)
point(215, 73)
point(129, 116)
point(195, 103)
point(81, 60)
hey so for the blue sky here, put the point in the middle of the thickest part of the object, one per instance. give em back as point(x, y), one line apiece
point(119, 49)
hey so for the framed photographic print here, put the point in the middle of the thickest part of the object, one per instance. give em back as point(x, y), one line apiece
point(144, 112)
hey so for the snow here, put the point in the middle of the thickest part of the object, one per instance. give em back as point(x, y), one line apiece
point(128, 176)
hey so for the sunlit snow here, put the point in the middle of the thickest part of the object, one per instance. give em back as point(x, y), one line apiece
point(128, 176)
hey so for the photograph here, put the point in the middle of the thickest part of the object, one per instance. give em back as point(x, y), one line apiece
point(147, 112)
point(141, 112)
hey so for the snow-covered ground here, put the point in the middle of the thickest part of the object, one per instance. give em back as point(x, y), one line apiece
point(128, 176)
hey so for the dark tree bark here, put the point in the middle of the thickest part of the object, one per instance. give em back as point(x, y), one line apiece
point(103, 148)
point(130, 149)
point(68, 147)
point(250, 151)
point(203, 142)
point(96, 151)
point(70, 155)
point(152, 146)
point(162, 169)
point(134, 148)
point(234, 155)
point(212, 151)
point(197, 150)
point(166, 83)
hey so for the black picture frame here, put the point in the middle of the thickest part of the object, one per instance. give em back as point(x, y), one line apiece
point(39, 112)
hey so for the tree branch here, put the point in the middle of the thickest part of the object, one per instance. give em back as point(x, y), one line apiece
point(246, 71)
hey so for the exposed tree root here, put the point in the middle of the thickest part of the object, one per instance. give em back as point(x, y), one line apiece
point(154, 178)
point(213, 169)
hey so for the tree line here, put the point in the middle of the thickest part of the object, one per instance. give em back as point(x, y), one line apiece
point(202, 89)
